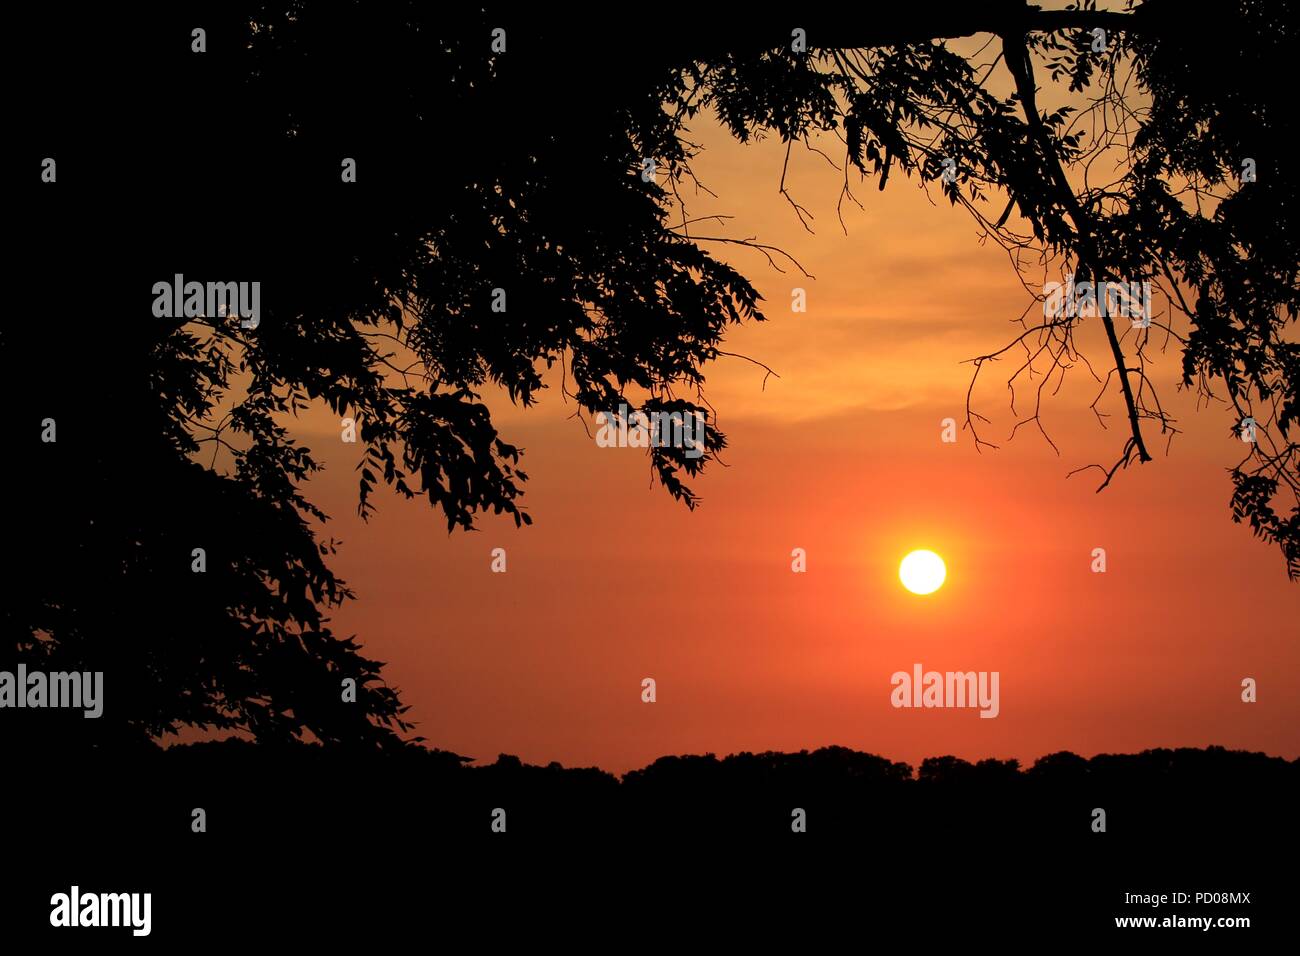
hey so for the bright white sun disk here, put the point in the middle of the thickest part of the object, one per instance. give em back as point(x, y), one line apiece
point(922, 572)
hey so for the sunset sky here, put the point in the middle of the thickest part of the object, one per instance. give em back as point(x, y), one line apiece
point(840, 456)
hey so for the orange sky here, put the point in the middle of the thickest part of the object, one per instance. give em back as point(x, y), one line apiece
point(840, 456)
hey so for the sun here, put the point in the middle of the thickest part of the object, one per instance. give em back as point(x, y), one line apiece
point(922, 572)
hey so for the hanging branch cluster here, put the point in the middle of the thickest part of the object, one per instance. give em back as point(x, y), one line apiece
point(1168, 170)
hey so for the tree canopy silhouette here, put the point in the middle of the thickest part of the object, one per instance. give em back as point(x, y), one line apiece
point(521, 170)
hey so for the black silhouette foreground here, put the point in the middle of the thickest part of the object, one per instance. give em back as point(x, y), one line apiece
point(844, 792)
point(324, 846)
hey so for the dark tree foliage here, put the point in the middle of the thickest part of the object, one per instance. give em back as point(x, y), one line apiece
point(427, 795)
point(519, 171)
